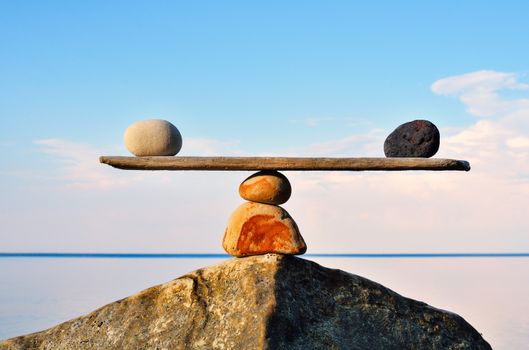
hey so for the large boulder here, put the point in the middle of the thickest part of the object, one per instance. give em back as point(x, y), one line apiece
point(261, 302)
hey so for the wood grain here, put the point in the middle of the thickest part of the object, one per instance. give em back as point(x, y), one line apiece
point(283, 163)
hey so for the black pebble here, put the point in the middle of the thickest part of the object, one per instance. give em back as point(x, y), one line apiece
point(418, 138)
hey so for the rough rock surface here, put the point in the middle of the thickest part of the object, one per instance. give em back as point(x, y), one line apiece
point(256, 228)
point(270, 187)
point(261, 302)
point(418, 138)
point(154, 137)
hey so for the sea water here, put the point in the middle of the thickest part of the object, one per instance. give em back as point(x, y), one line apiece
point(491, 293)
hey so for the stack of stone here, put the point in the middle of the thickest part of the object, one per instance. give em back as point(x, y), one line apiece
point(261, 226)
point(257, 227)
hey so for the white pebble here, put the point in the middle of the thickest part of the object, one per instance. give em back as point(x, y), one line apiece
point(154, 137)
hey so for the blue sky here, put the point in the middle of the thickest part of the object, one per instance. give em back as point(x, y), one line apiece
point(282, 78)
point(222, 69)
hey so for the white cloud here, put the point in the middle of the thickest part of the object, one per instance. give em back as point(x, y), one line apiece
point(356, 145)
point(313, 122)
point(499, 144)
point(518, 142)
point(479, 92)
point(484, 80)
point(201, 146)
point(80, 167)
point(483, 210)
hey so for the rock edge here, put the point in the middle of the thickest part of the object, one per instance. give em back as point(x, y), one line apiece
point(261, 302)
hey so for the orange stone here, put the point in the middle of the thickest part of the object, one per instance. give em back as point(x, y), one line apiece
point(270, 187)
point(256, 228)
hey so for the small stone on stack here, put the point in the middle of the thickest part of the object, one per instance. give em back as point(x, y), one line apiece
point(418, 138)
point(260, 226)
point(269, 187)
point(153, 137)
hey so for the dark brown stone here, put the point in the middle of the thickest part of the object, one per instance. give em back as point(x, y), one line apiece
point(261, 302)
point(418, 138)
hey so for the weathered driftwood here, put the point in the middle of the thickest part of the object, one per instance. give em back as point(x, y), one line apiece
point(282, 163)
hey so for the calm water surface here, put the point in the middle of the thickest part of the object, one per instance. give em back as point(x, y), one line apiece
point(492, 294)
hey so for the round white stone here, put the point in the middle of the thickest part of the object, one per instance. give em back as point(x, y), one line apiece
point(154, 137)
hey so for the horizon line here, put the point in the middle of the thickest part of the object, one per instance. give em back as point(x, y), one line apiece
point(224, 255)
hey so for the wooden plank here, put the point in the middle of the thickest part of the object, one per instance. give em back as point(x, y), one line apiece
point(283, 163)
